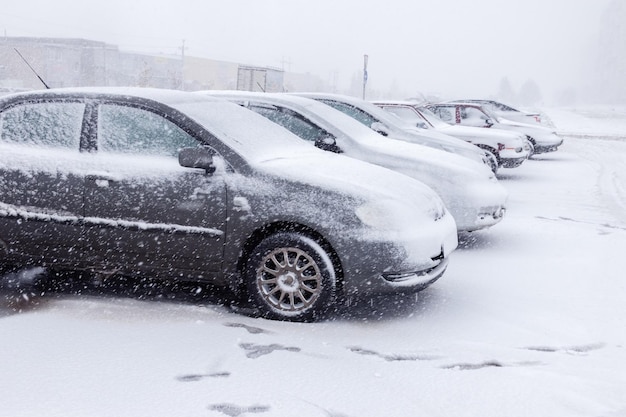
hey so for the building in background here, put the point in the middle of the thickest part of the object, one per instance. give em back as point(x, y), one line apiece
point(64, 62)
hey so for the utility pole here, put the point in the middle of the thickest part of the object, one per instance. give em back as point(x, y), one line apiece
point(182, 66)
point(365, 58)
point(285, 60)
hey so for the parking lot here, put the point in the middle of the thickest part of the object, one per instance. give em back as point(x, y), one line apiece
point(528, 320)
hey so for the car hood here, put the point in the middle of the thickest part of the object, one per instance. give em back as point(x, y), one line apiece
point(357, 179)
point(418, 161)
point(469, 132)
point(523, 127)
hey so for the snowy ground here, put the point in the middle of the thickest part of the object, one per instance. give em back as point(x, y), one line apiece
point(529, 320)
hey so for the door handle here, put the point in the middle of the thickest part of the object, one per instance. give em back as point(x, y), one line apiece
point(102, 180)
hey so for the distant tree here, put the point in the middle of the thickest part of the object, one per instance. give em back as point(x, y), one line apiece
point(505, 91)
point(609, 82)
point(144, 78)
point(529, 94)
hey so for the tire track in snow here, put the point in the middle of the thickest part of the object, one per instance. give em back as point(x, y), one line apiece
point(611, 181)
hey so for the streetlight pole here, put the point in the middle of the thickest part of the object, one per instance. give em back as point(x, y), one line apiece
point(365, 58)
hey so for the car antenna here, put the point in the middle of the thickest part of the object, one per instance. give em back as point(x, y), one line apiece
point(32, 69)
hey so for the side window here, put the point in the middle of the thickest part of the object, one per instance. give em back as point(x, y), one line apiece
point(445, 113)
point(126, 129)
point(352, 111)
point(293, 122)
point(50, 124)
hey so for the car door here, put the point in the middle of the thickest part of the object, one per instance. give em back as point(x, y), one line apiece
point(41, 185)
point(146, 212)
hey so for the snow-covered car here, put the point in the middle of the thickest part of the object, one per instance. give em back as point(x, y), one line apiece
point(468, 114)
point(509, 148)
point(506, 111)
point(469, 189)
point(177, 186)
point(388, 125)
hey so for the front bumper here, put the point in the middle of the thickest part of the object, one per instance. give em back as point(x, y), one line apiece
point(416, 280)
point(408, 265)
point(550, 144)
point(512, 162)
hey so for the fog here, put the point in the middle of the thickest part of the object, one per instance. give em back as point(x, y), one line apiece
point(446, 48)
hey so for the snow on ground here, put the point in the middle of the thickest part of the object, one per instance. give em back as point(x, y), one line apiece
point(529, 320)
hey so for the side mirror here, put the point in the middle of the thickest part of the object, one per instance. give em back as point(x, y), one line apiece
point(328, 144)
point(489, 122)
point(380, 128)
point(421, 125)
point(196, 158)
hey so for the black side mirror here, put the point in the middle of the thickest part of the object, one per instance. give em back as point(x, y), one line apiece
point(196, 158)
point(328, 144)
point(489, 122)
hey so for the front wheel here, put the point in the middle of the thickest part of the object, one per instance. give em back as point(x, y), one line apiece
point(492, 157)
point(531, 144)
point(290, 276)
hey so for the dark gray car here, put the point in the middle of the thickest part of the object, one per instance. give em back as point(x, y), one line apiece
point(177, 186)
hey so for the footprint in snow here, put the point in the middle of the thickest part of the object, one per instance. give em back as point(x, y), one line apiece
point(393, 357)
point(254, 351)
point(234, 410)
point(487, 364)
point(250, 329)
point(198, 377)
point(572, 350)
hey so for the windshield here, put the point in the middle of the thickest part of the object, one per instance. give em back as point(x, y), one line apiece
point(405, 113)
point(432, 118)
point(490, 114)
point(249, 134)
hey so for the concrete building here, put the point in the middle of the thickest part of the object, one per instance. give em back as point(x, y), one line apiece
point(63, 62)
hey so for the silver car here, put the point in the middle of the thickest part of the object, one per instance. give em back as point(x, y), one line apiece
point(509, 148)
point(469, 189)
point(472, 114)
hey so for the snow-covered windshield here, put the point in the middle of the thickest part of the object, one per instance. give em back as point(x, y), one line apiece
point(405, 113)
point(371, 110)
point(432, 118)
point(249, 134)
point(490, 114)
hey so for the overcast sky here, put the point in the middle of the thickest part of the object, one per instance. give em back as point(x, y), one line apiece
point(450, 47)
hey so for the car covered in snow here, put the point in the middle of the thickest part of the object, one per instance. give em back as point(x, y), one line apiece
point(469, 189)
point(391, 126)
point(176, 186)
point(542, 138)
point(507, 112)
point(510, 149)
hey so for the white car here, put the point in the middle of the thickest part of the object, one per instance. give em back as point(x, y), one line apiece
point(507, 112)
point(389, 125)
point(468, 114)
point(509, 148)
point(469, 189)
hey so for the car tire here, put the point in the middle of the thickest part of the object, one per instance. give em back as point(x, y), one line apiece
point(290, 276)
point(531, 143)
point(494, 159)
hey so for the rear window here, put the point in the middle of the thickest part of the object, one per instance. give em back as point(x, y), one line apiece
point(55, 125)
